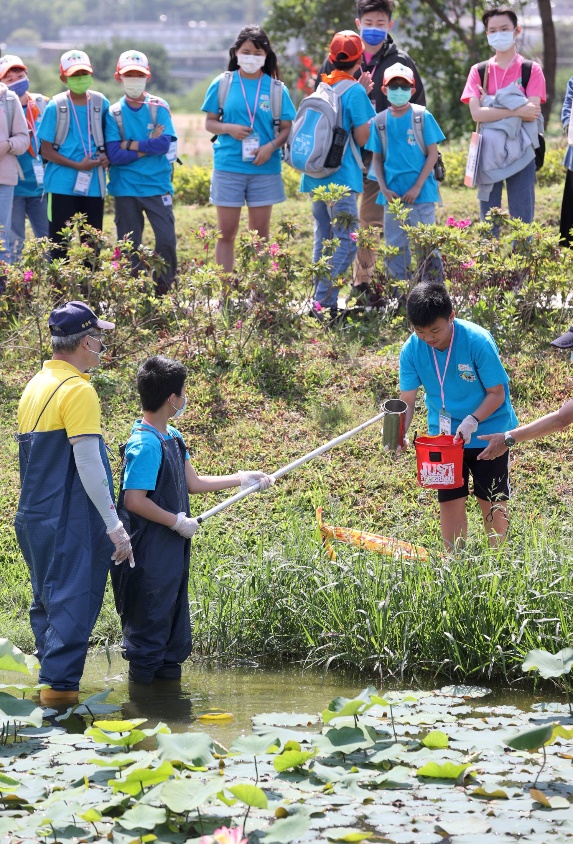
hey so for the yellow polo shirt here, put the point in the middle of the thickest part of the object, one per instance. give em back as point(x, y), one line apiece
point(74, 407)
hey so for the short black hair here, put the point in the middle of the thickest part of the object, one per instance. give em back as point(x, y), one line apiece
point(501, 10)
point(260, 39)
point(347, 65)
point(157, 378)
point(428, 302)
point(365, 6)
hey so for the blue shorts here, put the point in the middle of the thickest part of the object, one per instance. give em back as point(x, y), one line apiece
point(233, 190)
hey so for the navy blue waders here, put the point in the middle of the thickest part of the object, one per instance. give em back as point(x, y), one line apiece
point(152, 598)
point(64, 542)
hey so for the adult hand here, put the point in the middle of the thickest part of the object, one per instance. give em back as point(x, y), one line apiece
point(123, 551)
point(263, 153)
point(237, 131)
point(251, 478)
point(411, 195)
point(528, 112)
point(466, 428)
point(390, 195)
point(103, 160)
point(185, 526)
point(158, 131)
point(495, 448)
point(88, 163)
point(365, 79)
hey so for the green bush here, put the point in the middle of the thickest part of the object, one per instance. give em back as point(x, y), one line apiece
point(552, 172)
point(192, 184)
point(291, 179)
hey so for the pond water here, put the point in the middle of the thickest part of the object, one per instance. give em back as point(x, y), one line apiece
point(241, 691)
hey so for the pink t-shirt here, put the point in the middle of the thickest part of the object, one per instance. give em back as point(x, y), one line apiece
point(498, 78)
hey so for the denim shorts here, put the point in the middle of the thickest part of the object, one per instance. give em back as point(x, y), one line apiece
point(233, 190)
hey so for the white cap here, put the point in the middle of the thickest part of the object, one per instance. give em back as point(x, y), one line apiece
point(133, 60)
point(8, 62)
point(75, 60)
point(398, 71)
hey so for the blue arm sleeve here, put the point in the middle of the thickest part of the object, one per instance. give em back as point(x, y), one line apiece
point(155, 146)
point(117, 155)
point(567, 102)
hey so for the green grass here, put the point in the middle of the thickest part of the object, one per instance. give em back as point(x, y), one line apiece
point(261, 585)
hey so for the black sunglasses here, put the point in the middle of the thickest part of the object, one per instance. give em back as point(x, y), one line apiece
point(399, 86)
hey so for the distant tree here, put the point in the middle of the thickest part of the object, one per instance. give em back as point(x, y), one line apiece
point(104, 62)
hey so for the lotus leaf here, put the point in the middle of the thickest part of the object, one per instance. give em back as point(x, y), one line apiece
point(191, 749)
point(185, 795)
point(445, 771)
point(142, 817)
point(531, 739)
point(136, 781)
point(119, 726)
point(19, 711)
point(550, 802)
point(342, 740)
point(13, 659)
point(436, 740)
point(346, 834)
point(129, 739)
point(254, 745)
point(292, 759)
point(467, 825)
point(291, 828)
point(250, 795)
point(548, 665)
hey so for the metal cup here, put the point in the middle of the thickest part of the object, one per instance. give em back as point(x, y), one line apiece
point(394, 425)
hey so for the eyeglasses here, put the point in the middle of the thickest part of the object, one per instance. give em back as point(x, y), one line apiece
point(399, 86)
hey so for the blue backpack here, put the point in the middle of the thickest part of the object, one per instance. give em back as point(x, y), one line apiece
point(317, 142)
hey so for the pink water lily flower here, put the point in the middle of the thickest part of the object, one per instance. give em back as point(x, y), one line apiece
point(224, 836)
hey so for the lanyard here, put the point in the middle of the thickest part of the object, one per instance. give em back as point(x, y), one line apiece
point(251, 114)
point(496, 67)
point(88, 151)
point(441, 378)
point(31, 121)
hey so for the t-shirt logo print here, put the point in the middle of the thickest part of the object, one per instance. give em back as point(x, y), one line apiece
point(411, 138)
point(264, 102)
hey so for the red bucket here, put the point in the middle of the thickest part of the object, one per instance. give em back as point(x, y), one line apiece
point(439, 461)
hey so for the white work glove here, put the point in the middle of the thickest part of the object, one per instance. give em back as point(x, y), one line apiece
point(466, 428)
point(185, 526)
point(251, 478)
point(404, 446)
point(120, 538)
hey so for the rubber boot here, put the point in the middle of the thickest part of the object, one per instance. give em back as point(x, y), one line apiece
point(58, 697)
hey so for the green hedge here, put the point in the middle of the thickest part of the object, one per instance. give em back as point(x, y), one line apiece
point(551, 173)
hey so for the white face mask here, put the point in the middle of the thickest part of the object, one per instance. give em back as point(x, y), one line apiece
point(250, 64)
point(501, 41)
point(134, 86)
point(179, 411)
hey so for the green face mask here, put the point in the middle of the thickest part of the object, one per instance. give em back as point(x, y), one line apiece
point(79, 84)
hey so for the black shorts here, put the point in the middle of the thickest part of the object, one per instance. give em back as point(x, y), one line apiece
point(490, 477)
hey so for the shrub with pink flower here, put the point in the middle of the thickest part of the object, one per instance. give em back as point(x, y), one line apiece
point(28, 275)
point(274, 249)
point(458, 224)
point(116, 253)
point(354, 236)
point(274, 265)
point(224, 835)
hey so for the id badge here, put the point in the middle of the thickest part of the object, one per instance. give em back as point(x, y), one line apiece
point(38, 169)
point(83, 181)
point(167, 200)
point(172, 152)
point(445, 421)
point(251, 146)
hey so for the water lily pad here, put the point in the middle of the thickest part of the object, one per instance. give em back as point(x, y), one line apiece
point(464, 691)
point(13, 659)
point(289, 829)
point(19, 711)
point(286, 719)
point(194, 749)
point(347, 834)
point(135, 781)
point(549, 665)
point(250, 795)
point(549, 801)
point(184, 795)
point(292, 759)
point(142, 817)
point(468, 825)
point(531, 739)
point(436, 739)
point(445, 771)
point(255, 745)
point(342, 740)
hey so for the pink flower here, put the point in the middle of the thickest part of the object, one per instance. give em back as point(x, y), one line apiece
point(451, 221)
point(314, 340)
point(239, 324)
point(354, 236)
point(463, 224)
point(116, 253)
point(274, 249)
point(115, 265)
point(274, 265)
point(202, 232)
point(316, 306)
point(468, 264)
point(28, 275)
point(224, 835)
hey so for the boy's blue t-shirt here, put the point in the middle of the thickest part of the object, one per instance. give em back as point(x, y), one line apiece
point(356, 111)
point(61, 179)
point(227, 151)
point(404, 159)
point(474, 366)
point(143, 455)
point(28, 186)
point(151, 174)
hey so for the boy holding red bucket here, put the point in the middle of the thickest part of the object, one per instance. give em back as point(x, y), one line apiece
point(466, 390)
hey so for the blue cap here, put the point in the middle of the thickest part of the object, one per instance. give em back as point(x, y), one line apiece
point(73, 318)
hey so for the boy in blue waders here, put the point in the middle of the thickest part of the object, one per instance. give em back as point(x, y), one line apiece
point(157, 477)
point(466, 393)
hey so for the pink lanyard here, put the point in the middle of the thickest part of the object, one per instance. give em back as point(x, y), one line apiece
point(440, 378)
point(251, 114)
point(33, 133)
point(88, 151)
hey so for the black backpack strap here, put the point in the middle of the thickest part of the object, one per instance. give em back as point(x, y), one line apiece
point(526, 73)
point(481, 70)
point(50, 399)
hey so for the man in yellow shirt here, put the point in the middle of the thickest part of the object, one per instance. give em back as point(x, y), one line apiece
point(66, 524)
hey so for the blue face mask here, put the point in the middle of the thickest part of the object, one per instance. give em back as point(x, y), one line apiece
point(399, 97)
point(20, 87)
point(373, 36)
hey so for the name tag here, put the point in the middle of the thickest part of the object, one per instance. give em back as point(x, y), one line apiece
point(167, 200)
point(83, 181)
point(172, 152)
point(38, 169)
point(445, 421)
point(250, 146)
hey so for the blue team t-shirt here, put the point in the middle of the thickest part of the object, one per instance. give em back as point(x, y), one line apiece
point(61, 179)
point(404, 159)
point(227, 151)
point(474, 366)
point(143, 455)
point(151, 174)
point(28, 186)
point(356, 110)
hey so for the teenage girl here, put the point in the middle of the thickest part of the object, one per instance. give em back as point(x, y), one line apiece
point(247, 153)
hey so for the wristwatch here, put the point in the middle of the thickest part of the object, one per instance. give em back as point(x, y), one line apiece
point(508, 439)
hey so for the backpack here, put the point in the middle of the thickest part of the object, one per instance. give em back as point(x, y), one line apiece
point(418, 119)
point(95, 103)
point(276, 98)
point(525, 77)
point(9, 100)
point(153, 104)
point(317, 142)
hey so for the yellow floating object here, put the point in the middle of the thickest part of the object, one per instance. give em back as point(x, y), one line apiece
point(216, 717)
point(371, 541)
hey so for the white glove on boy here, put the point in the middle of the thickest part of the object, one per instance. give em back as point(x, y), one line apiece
point(466, 428)
point(185, 526)
point(251, 478)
